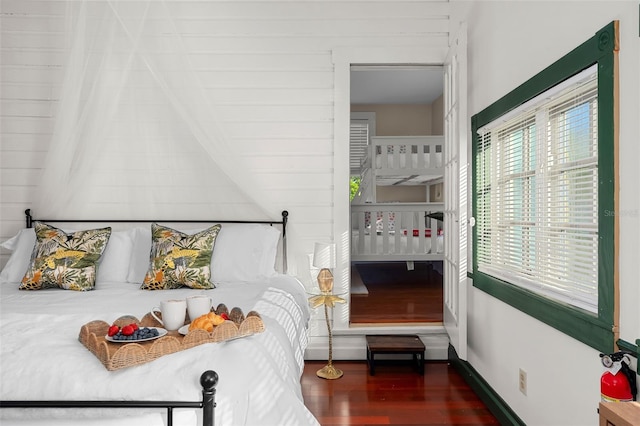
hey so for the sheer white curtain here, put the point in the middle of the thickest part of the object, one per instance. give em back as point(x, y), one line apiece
point(137, 135)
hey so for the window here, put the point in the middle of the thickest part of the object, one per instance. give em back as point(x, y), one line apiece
point(538, 201)
point(543, 184)
point(359, 140)
point(361, 129)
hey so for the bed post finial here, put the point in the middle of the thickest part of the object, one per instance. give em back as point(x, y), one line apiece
point(208, 380)
point(29, 219)
point(285, 218)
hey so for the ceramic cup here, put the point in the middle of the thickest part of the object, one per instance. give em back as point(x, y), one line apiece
point(173, 313)
point(198, 305)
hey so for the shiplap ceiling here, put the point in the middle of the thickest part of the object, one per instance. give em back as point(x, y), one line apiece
point(395, 84)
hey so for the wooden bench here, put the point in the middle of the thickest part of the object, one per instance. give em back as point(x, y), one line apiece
point(395, 344)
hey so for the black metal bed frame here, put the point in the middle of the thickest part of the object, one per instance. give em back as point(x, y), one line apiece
point(283, 222)
point(208, 379)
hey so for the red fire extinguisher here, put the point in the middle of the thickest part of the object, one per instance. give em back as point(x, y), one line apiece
point(618, 382)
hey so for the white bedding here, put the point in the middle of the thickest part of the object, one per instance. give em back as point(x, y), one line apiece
point(41, 357)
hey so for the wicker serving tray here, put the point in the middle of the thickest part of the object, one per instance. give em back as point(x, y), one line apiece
point(115, 356)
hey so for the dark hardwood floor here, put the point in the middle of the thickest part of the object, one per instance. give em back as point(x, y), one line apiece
point(397, 295)
point(396, 395)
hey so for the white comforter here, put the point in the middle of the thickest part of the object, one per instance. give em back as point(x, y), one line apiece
point(42, 359)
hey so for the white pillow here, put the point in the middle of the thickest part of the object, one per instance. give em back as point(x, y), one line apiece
point(114, 265)
point(22, 245)
point(139, 264)
point(244, 252)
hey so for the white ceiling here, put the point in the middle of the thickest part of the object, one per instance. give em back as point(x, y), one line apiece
point(395, 84)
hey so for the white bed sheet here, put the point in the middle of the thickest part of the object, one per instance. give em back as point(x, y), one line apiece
point(41, 357)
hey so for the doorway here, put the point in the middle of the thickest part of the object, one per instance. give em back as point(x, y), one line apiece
point(393, 108)
point(396, 295)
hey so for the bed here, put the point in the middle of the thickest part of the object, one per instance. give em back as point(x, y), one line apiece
point(400, 158)
point(399, 231)
point(258, 376)
point(396, 232)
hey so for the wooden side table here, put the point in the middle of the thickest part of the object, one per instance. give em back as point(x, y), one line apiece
point(395, 344)
point(619, 413)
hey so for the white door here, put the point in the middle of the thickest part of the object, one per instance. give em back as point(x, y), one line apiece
point(456, 181)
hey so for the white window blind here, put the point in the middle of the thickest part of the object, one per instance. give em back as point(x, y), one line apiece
point(537, 198)
point(359, 141)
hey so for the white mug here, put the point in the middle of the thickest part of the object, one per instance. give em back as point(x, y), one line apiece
point(198, 305)
point(173, 313)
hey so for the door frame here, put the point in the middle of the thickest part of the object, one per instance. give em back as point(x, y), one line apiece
point(343, 59)
point(455, 265)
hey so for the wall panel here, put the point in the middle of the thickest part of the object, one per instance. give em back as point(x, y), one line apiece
point(502, 339)
point(265, 65)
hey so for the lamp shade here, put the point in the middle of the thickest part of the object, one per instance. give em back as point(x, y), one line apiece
point(324, 255)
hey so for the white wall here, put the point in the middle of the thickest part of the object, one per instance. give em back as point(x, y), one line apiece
point(509, 42)
point(267, 65)
point(280, 96)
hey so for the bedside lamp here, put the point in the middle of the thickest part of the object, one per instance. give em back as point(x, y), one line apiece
point(324, 257)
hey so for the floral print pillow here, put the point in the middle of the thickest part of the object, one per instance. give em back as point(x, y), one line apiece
point(179, 259)
point(64, 260)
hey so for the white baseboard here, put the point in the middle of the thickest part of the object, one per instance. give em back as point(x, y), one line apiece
point(354, 346)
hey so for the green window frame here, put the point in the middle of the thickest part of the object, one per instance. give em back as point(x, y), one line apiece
point(596, 329)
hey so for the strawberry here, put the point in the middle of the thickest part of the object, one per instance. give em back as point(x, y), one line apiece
point(134, 325)
point(127, 330)
point(113, 330)
point(224, 316)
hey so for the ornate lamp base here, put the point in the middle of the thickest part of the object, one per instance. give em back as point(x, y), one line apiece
point(327, 299)
point(329, 372)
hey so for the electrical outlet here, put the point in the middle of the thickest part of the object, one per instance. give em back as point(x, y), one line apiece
point(522, 381)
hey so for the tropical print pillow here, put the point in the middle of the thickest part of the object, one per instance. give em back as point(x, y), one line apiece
point(179, 259)
point(65, 260)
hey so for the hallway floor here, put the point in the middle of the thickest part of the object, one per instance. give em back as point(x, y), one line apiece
point(396, 294)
